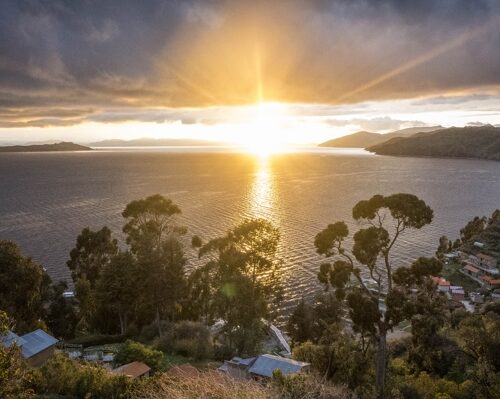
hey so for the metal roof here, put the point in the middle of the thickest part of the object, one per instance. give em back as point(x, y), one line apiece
point(9, 338)
point(264, 365)
point(35, 342)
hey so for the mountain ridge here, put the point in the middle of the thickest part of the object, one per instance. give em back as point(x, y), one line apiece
point(62, 146)
point(364, 139)
point(455, 142)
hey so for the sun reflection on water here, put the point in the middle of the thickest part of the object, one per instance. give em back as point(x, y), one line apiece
point(263, 194)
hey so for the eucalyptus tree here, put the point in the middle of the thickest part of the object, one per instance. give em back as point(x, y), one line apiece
point(92, 252)
point(240, 280)
point(24, 287)
point(153, 235)
point(116, 288)
point(383, 221)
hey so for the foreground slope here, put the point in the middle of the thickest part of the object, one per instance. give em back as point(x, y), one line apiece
point(466, 142)
point(365, 139)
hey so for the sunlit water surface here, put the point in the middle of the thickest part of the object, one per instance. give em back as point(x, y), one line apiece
point(47, 198)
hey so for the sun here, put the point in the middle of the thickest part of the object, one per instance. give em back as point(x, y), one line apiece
point(262, 134)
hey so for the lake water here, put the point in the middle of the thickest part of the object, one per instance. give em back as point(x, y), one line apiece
point(47, 198)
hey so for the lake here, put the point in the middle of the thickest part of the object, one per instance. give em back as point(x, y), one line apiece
point(47, 198)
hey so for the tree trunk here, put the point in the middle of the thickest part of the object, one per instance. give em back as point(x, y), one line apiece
point(381, 363)
point(158, 322)
point(122, 322)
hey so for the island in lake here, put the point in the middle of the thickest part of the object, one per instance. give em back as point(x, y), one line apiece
point(152, 142)
point(456, 142)
point(365, 139)
point(62, 146)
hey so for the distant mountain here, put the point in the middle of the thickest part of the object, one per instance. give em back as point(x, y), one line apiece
point(62, 146)
point(367, 139)
point(149, 142)
point(456, 142)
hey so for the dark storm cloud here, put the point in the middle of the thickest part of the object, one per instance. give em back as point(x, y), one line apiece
point(63, 62)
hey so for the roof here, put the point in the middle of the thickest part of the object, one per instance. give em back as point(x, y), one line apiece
point(458, 292)
point(485, 257)
point(495, 282)
point(440, 281)
point(133, 370)
point(183, 371)
point(471, 269)
point(35, 342)
point(10, 338)
point(31, 343)
point(264, 365)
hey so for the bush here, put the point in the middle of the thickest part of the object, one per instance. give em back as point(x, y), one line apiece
point(187, 338)
point(150, 332)
point(135, 351)
point(303, 386)
point(70, 378)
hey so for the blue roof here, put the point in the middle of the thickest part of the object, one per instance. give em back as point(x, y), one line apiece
point(35, 342)
point(264, 365)
point(9, 338)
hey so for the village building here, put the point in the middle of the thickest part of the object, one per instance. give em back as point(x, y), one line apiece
point(133, 370)
point(482, 268)
point(262, 367)
point(36, 347)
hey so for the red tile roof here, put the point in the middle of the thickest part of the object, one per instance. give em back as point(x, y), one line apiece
point(133, 370)
point(471, 269)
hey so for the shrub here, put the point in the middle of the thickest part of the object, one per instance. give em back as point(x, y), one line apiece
point(135, 351)
point(70, 378)
point(187, 338)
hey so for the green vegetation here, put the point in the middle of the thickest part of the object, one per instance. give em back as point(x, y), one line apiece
point(467, 142)
point(141, 300)
point(62, 146)
point(24, 288)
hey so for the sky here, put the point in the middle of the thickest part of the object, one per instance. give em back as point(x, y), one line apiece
point(286, 71)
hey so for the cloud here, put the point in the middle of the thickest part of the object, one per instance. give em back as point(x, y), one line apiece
point(125, 54)
point(380, 124)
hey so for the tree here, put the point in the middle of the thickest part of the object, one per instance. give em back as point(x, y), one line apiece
point(24, 287)
point(371, 251)
point(243, 279)
point(132, 351)
point(61, 316)
point(153, 236)
point(117, 286)
point(308, 322)
point(93, 251)
point(471, 229)
point(15, 377)
point(150, 222)
point(444, 246)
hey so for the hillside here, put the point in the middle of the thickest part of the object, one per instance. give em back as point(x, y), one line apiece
point(150, 142)
point(62, 146)
point(466, 142)
point(365, 139)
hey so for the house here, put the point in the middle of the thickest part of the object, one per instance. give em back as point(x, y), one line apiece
point(133, 370)
point(482, 269)
point(490, 282)
point(36, 347)
point(471, 271)
point(457, 293)
point(487, 262)
point(262, 367)
point(443, 285)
